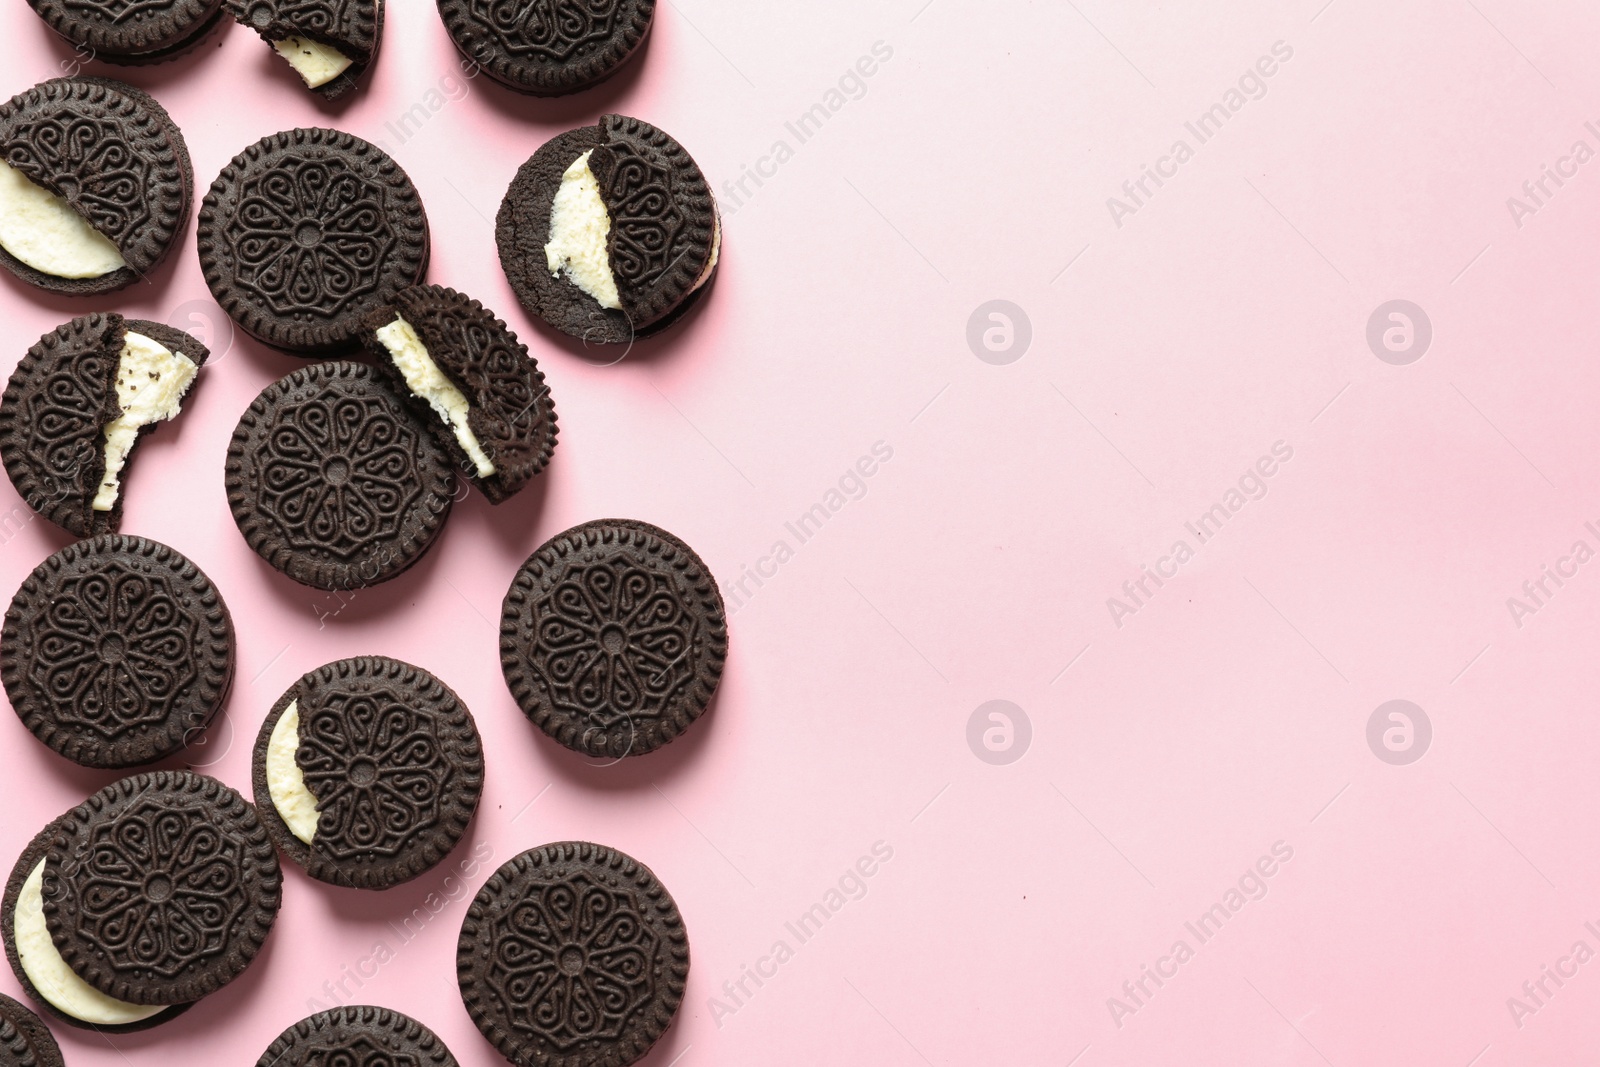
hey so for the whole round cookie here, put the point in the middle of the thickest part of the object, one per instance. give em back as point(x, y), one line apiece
point(367, 772)
point(161, 888)
point(333, 481)
point(547, 47)
point(612, 637)
point(572, 953)
point(116, 651)
point(43, 974)
point(471, 381)
point(306, 232)
point(609, 232)
point(96, 185)
point(129, 32)
point(357, 1036)
point(76, 407)
point(39, 1043)
point(329, 44)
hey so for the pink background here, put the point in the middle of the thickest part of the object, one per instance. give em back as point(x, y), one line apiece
point(1226, 313)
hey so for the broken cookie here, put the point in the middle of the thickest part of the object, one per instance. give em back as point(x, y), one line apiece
point(471, 381)
point(329, 43)
point(76, 406)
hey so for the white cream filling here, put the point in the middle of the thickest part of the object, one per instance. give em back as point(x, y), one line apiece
point(41, 229)
point(285, 784)
point(716, 250)
point(151, 381)
point(49, 973)
point(425, 379)
point(316, 63)
point(579, 224)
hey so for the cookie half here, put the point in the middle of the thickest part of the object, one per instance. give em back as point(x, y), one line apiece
point(367, 772)
point(95, 185)
point(76, 406)
point(38, 965)
point(161, 888)
point(609, 232)
point(548, 47)
point(357, 1036)
point(333, 481)
point(305, 233)
point(130, 32)
point(613, 637)
point(38, 1044)
point(471, 381)
point(117, 651)
point(329, 43)
point(572, 953)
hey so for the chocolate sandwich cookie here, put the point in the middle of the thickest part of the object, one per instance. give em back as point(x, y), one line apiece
point(548, 47)
point(609, 232)
point(367, 772)
point(161, 888)
point(305, 233)
point(329, 43)
point(14, 1048)
point(34, 1044)
point(76, 406)
point(612, 637)
point(572, 953)
point(333, 481)
point(130, 32)
point(95, 185)
point(357, 1036)
point(44, 975)
point(471, 381)
point(117, 651)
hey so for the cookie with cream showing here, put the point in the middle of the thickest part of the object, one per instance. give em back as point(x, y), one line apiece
point(609, 232)
point(330, 44)
point(45, 976)
point(95, 185)
point(367, 772)
point(161, 888)
point(471, 381)
point(76, 407)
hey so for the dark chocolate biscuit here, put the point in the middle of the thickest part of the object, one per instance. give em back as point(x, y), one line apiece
point(129, 32)
point(30, 859)
point(14, 1048)
point(662, 246)
point(161, 888)
point(115, 156)
point(509, 415)
point(357, 1036)
point(333, 481)
point(56, 408)
point(305, 233)
point(612, 637)
point(548, 47)
point(392, 760)
point(353, 28)
point(116, 651)
point(36, 1036)
point(572, 953)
